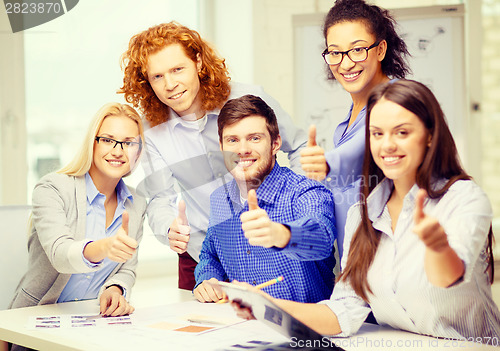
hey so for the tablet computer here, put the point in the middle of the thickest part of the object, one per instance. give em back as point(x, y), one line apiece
point(272, 315)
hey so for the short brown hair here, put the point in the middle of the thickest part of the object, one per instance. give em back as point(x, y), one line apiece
point(248, 105)
point(214, 76)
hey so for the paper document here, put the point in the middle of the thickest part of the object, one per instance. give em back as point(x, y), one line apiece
point(75, 321)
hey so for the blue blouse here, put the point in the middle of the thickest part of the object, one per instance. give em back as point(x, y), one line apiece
point(346, 163)
point(346, 166)
point(85, 286)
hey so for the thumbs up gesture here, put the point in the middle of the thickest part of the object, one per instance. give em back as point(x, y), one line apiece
point(178, 234)
point(259, 229)
point(121, 247)
point(428, 228)
point(312, 158)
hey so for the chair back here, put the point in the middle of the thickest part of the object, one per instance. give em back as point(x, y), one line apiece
point(13, 249)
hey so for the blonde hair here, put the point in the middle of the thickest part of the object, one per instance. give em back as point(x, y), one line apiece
point(82, 161)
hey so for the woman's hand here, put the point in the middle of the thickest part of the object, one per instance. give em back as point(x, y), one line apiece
point(428, 228)
point(312, 158)
point(242, 310)
point(112, 303)
point(119, 248)
point(442, 265)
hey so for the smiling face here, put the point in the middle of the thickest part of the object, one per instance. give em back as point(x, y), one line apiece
point(248, 150)
point(398, 142)
point(357, 78)
point(174, 79)
point(110, 163)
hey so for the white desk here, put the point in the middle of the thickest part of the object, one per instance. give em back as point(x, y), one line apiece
point(13, 327)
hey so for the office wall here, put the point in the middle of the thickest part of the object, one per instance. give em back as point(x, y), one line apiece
point(491, 102)
point(12, 116)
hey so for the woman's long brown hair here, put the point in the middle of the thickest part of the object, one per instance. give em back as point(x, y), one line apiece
point(441, 161)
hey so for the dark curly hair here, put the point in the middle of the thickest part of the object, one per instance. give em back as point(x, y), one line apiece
point(381, 24)
point(214, 76)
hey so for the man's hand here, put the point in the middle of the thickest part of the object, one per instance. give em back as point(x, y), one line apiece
point(112, 303)
point(259, 229)
point(207, 292)
point(178, 234)
point(312, 158)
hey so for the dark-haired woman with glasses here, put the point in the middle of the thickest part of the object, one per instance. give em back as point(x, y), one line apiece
point(86, 224)
point(362, 51)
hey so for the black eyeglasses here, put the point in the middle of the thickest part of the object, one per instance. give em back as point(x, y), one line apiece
point(111, 143)
point(335, 57)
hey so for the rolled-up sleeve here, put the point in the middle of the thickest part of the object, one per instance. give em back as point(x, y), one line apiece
point(313, 232)
point(467, 222)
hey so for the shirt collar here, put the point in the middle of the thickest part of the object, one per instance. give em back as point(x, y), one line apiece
point(122, 191)
point(270, 187)
point(362, 113)
point(266, 192)
point(175, 120)
point(377, 200)
point(92, 191)
point(360, 117)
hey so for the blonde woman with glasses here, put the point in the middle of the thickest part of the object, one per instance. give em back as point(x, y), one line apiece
point(86, 223)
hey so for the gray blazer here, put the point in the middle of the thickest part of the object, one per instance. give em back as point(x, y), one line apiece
point(57, 238)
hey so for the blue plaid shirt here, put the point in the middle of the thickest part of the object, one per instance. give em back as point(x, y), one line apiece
point(303, 205)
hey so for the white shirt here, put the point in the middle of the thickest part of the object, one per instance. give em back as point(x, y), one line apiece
point(403, 298)
point(183, 158)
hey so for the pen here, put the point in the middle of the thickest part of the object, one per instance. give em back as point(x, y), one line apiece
point(270, 282)
point(260, 286)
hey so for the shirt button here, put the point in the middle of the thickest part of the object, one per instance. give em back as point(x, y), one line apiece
point(88, 277)
point(254, 282)
point(219, 175)
point(248, 252)
point(294, 245)
point(329, 179)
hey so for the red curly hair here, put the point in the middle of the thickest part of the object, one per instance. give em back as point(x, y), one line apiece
point(214, 76)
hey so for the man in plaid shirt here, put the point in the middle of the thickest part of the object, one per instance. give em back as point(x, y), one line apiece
point(268, 221)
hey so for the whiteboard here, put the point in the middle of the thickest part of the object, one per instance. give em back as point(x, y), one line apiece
point(435, 39)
